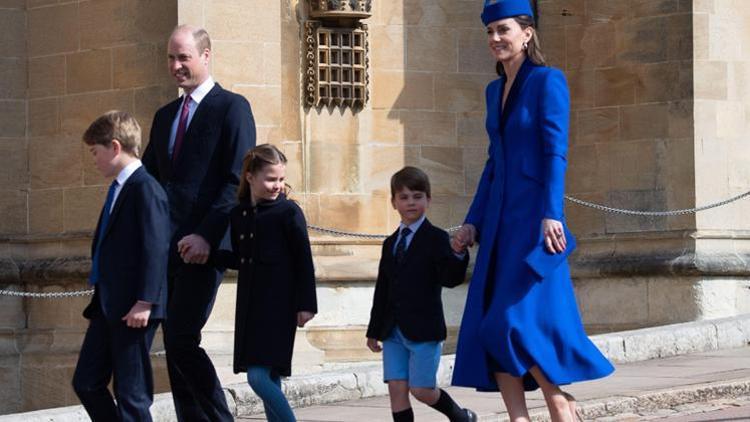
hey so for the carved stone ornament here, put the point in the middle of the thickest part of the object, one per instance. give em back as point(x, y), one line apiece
point(336, 54)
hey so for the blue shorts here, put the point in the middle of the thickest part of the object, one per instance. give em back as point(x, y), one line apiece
point(413, 361)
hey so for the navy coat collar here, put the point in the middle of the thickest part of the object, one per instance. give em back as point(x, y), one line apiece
point(523, 74)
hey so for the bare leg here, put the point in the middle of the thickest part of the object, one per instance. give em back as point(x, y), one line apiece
point(557, 404)
point(574, 411)
point(428, 396)
point(511, 389)
point(398, 391)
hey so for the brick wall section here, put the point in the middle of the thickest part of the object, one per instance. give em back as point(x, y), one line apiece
point(629, 67)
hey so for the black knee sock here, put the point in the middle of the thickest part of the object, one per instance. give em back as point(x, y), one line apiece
point(404, 416)
point(448, 407)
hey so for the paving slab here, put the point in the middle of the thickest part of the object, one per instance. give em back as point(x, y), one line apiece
point(655, 388)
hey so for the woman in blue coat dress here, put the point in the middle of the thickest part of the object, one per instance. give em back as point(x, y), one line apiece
point(521, 328)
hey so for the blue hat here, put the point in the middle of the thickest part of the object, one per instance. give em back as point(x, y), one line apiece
point(500, 9)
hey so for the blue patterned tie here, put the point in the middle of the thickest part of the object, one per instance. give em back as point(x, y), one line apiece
point(401, 247)
point(94, 275)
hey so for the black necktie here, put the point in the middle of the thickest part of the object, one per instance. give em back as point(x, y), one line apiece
point(401, 246)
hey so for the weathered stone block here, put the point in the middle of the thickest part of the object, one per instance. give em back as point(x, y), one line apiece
point(14, 173)
point(267, 111)
point(12, 317)
point(10, 378)
point(461, 92)
point(559, 13)
point(655, 7)
point(240, 63)
point(387, 47)
point(55, 29)
point(710, 80)
point(228, 20)
point(445, 167)
point(473, 54)
point(670, 81)
point(88, 71)
point(402, 90)
point(13, 22)
point(46, 211)
point(379, 164)
point(590, 46)
point(81, 207)
point(641, 40)
point(648, 200)
point(645, 122)
point(581, 85)
point(386, 127)
point(44, 117)
point(332, 126)
point(470, 129)
point(136, 66)
point(13, 118)
point(614, 86)
point(46, 76)
point(127, 21)
point(13, 208)
point(601, 308)
point(54, 162)
point(365, 213)
point(13, 84)
point(45, 385)
point(78, 111)
point(597, 125)
point(429, 128)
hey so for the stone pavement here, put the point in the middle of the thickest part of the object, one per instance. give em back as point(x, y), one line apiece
point(680, 387)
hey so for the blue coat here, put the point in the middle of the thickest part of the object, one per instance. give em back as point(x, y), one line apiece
point(514, 318)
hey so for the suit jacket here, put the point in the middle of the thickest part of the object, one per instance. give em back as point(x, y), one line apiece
point(133, 251)
point(409, 294)
point(202, 183)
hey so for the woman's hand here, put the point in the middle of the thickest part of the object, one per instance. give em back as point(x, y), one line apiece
point(464, 237)
point(554, 236)
point(303, 317)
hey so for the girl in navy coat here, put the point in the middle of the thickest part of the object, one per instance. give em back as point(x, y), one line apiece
point(276, 280)
point(521, 328)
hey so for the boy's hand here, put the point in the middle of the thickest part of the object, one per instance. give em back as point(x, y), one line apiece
point(303, 317)
point(373, 345)
point(138, 315)
point(457, 246)
point(194, 249)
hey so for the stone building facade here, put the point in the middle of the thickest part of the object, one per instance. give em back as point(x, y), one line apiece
point(660, 115)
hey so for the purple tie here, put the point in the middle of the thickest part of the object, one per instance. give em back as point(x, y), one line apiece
point(181, 127)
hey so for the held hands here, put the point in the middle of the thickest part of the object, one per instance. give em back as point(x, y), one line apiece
point(554, 236)
point(303, 317)
point(138, 315)
point(374, 345)
point(465, 236)
point(194, 249)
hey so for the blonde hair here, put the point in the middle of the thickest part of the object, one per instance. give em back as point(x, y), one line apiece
point(534, 50)
point(115, 124)
point(255, 160)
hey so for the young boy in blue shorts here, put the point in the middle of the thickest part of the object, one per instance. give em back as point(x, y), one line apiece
point(407, 311)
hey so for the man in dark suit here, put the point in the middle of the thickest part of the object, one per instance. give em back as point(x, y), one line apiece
point(195, 150)
point(407, 309)
point(129, 275)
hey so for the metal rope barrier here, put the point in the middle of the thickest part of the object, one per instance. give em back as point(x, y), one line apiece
point(342, 233)
point(656, 213)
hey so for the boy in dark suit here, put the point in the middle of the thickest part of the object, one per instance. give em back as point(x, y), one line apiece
point(129, 275)
point(407, 310)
